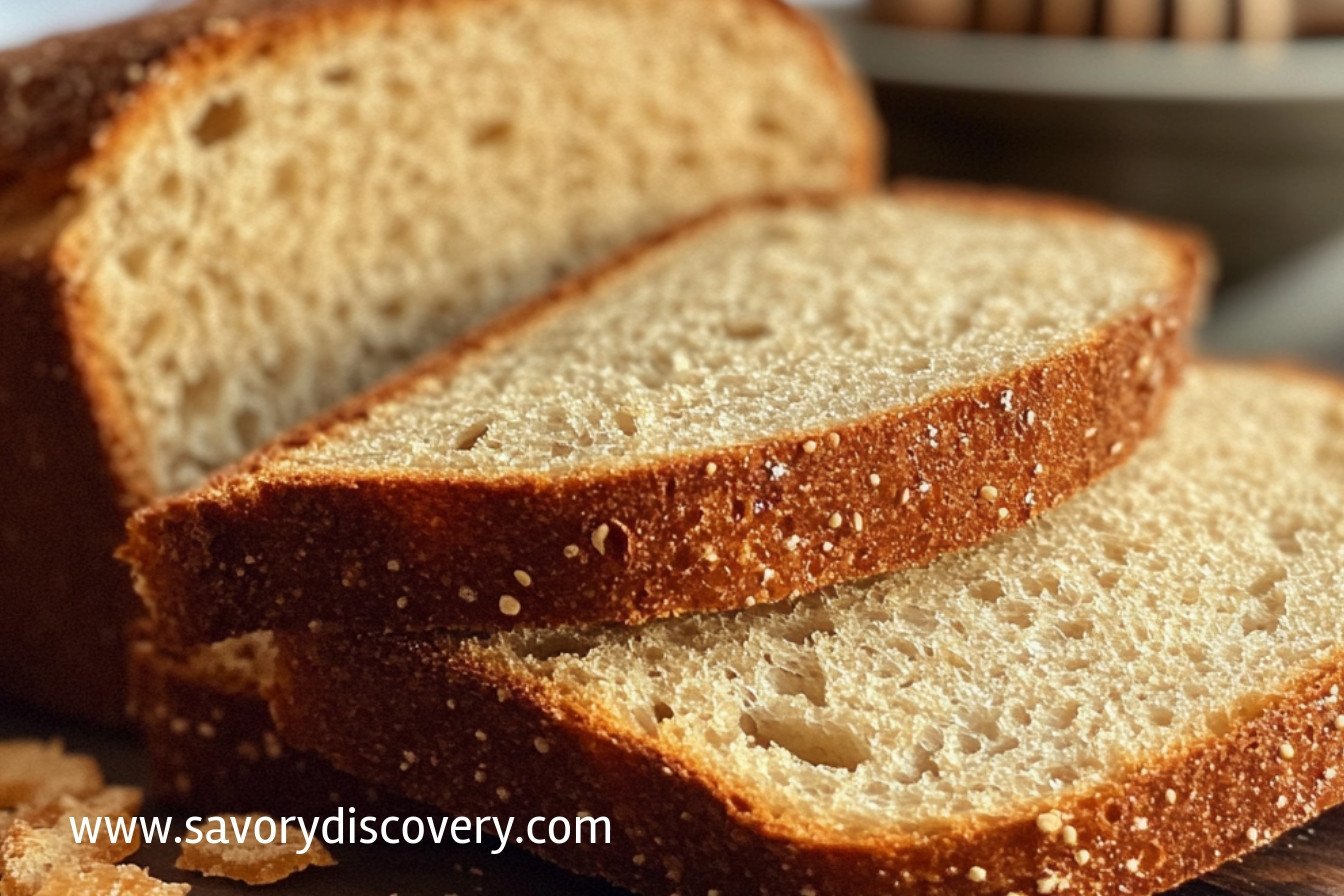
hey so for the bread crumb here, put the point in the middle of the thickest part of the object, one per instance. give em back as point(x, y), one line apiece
point(1050, 822)
point(810, 447)
point(509, 605)
point(833, 439)
point(522, 577)
point(1116, 448)
point(571, 551)
point(1330, 773)
point(988, 493)
point(1082, 857)
point(394, 566)
point(711, 468)
point(835, 521)
point(1003, 513)
point(402, 602)
point(1070, 835)
point(599, 538)
point(1171, 797)
point(977, 875)
point(122, 880)
point(1090, 432)
point(874, 480)
point(1286, 751)
point(38, 772)
point(1141, 823)
point(467, 594)
point(541, 745)
point(1339, 722)
point(905, 496)
point(1252, 834)
point(1132, 866)
point(252, 857)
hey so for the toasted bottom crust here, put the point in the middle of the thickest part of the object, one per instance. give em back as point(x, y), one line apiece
point(213, 746)
point(471, 740)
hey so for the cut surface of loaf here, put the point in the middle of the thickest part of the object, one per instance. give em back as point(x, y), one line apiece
point(1117, 697)
point(221, 218)
point(779, 396)
point(376, 177)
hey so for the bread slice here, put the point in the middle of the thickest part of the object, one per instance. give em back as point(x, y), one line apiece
point(220, 219)
point(774, 398)
point(1136, 687)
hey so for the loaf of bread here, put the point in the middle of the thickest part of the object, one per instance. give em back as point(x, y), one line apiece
point(1139, 685)
point(772, 399)
point(222, 218)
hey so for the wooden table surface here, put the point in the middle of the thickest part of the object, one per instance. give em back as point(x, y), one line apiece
point(1307, 862)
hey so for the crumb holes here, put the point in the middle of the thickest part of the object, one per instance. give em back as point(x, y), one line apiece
point(170, 186)
point(201, 395)
point(769, 125)
point(1113, 812)
point(135, 262)
point(1061, 716)
point(247, 426)
point(739, 509)
point(1107, 578)
point(812, 743)
point(809, 683)
point(287, 181)
point(1075, 629)
point(339, 74)
point(152, 332)
point(550, 644)
point(1063, 774)
point(399, 88)
point(471, 435)
point(625, 422)
point(223, 120)
point(688, 159)
point(1161, 716)
point(662, 712)
point(492, 134)
point(747, 330)
point(915, 365)
point(988, 590)
point(1267, 582)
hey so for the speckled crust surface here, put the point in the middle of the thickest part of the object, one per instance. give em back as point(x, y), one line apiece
point(470, 739)
point(70, 105)
point(694, 532)
point(213, 745)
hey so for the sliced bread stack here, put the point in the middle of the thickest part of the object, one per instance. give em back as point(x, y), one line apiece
point(220, 219)
point(827, 438)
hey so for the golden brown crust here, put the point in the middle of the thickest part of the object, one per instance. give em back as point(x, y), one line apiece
point(213, 746)
point(702, 532)
point(73, 103)
point(681, 828)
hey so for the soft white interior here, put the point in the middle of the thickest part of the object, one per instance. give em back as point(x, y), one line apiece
point(1158, 607)
point(323, 212)
point(770, 322)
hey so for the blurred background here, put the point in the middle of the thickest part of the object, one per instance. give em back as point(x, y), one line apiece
point(1225, 113)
